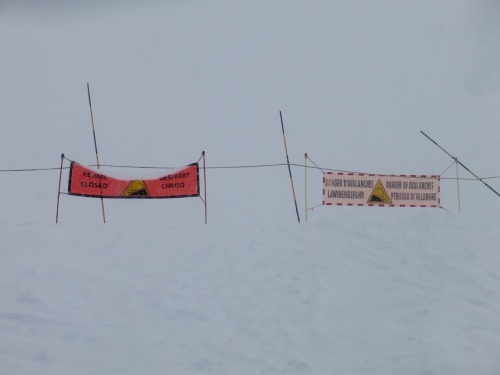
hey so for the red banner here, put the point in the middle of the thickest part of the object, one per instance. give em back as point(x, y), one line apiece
point(87, 182)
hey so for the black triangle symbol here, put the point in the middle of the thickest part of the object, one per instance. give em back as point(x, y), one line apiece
point(374, 198)
point(140, 192)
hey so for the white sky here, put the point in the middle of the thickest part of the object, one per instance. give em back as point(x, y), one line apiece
point(356, 82)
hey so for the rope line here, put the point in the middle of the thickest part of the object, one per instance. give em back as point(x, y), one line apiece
point(447, 168)
point(20, 170)
point(31, 169)
point(316, 165)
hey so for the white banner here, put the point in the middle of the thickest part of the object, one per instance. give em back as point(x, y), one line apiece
point(359, 189)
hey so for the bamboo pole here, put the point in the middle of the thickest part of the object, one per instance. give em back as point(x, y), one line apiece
point(458, 184)
point(205, 186)
point(289, 169)
point(59, 191)
point(96, 153)
point(467, 169)
point(305, 184)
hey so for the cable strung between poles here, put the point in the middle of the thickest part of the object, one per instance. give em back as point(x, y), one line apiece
point(230, 167)
point(227, 167)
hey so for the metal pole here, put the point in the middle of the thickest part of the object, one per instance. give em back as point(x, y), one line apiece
point(467, 169)
point(305, 183)
point(458, 185)
point(59, 191)
point(205, 186)
point(289, 169)
point(96, 153)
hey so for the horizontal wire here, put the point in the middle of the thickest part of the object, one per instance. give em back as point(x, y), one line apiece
point(32, 169)
point(230, 167)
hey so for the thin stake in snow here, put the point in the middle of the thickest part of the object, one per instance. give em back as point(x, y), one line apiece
point(458, 184)
point(95, 145)
point(289, 169)
point(456, 160)
point(59, 191)
point(204, 200)
point(305, 184)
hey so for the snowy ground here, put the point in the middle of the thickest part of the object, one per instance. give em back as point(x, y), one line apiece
point(354, 291)
point(372, 291)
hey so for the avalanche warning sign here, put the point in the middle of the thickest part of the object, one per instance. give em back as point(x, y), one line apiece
point(88, 182)
point(359, 189)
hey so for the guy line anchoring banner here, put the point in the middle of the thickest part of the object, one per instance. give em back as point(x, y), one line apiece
point(89, 182)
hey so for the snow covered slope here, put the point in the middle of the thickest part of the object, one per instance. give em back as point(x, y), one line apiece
point(367, 291)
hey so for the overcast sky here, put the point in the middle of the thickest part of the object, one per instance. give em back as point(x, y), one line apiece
point(356, 82)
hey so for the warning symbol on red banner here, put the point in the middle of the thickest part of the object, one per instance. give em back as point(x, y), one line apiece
point(88, 182)
point(379, 195)
point(136, 187)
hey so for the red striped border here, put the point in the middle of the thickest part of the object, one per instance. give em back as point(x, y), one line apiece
point(384, 205)
point(381, 205)
point(382, 175)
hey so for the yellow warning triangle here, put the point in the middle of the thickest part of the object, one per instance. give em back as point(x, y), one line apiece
point(136, 187)
point(379, 195)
